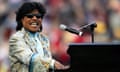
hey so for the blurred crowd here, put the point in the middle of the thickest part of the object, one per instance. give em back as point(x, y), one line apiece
point(72, 13)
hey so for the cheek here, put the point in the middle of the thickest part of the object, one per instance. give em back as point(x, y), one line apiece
point(40, 21)
point(25, 21)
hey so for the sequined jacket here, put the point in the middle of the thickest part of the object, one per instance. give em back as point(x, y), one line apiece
point(23, 55)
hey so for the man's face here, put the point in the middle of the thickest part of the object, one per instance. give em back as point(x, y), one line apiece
point(32, 21)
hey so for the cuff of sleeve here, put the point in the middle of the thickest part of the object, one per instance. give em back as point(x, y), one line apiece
point(52, 64)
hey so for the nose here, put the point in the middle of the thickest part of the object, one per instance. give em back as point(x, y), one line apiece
point(34, 17)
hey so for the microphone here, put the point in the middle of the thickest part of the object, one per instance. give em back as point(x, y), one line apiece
point(92, 24)
point(64, 27)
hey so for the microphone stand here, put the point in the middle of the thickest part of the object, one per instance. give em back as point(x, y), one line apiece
point(92, 27)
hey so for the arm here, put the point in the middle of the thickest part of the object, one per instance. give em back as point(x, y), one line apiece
point(54, 64)
point(20, 52)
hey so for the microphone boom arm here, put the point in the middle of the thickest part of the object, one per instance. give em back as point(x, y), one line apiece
point(92, 26)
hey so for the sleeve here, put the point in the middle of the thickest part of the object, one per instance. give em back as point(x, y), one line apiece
point(19, 51)
point(52, 62)
point(47, 46)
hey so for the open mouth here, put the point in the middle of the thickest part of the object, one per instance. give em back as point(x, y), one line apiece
point(34, 24)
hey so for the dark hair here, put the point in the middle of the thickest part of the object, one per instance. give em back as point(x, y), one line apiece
point(28, 7)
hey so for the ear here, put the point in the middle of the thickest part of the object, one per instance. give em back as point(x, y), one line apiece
point(22, 20)
point(40, 30)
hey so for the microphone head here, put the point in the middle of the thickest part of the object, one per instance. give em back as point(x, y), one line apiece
point(63, 27)
point(93, 24)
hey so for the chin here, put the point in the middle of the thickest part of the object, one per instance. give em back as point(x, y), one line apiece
point(33, 31)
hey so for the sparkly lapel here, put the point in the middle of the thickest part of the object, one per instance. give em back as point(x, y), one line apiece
point(28, 41)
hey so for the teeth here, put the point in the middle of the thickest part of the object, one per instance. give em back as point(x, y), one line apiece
point(34, 24)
